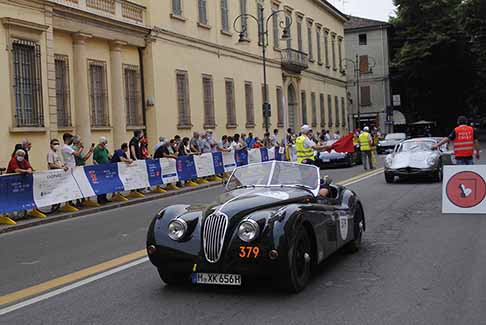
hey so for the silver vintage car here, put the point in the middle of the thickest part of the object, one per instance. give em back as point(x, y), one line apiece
point(416, 157)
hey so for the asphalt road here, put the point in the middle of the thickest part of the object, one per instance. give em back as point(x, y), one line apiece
point(417, 266)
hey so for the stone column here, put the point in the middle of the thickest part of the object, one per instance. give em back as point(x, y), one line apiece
point(117, 95)
point(81, 93)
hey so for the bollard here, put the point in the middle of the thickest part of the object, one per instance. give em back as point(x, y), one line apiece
point(171, 187)
point(35, 213)
point(90, 204)
point(4, 220)
point(118, 198)
point(159, 189)
point(201, 181)
point(68, 208)
point(135, 195)
point(191, 184)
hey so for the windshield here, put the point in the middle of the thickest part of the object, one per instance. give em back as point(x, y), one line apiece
point(275, 173)
point(411, 146)
point(395, 136)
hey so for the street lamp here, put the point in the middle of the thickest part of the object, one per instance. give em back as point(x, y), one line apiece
point(357, 70)
point(263, 42)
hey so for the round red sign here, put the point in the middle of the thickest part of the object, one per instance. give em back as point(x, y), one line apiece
point(466, 189)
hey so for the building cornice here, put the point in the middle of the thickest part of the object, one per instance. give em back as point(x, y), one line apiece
point(14, 22)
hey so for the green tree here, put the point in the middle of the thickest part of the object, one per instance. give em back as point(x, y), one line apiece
point(431, 61)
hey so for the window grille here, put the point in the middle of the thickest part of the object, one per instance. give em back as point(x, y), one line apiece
point(336, 109)
point(322, 110)
point(311, 46)
point(208, 94)
point(203, 15)
point(343, 112)
point(280, 108)
point(183, 103)
point(133, 102)
point(329, 109)
point(314, 109)
point(225, 16)
point(177, 7)
point(319, 47)
point(63, 101)
point(98, 94)
point(326, 47)
point(250, 107)
point(230, 104)
point(299, 36)
point(244, 19)
point(333, 45)
point(276, 30)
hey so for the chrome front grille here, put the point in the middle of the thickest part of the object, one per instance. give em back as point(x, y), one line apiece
point(214, 232)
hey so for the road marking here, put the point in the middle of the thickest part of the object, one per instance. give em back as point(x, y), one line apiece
point(72, 286)
point(77, 279)
point(63, 280)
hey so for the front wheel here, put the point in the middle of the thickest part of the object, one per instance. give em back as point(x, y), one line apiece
point(438, 175)
point(170, 278)
point(298, 274)
point(355, 245)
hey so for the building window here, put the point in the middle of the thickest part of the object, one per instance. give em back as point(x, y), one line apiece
point(27, 84)
point(322, 109)
point(333, 49)
point(314, 109)
point(183, 103)
point(208, 97)
point(203, 13)
point(365, 94)
point(260, 18)
point(225, 16)
point(363, 39)
point(337, 112)
point(280, 108)
point(319, 47)
point(340, 52)
point(304, 107)
point(329, 109)
point(364, 66)
point(98, 94)
point(276, 30)
point(177, 7)
point(343, 112)
point(311, 46)
point(287, 25)
point(249, 104)
point(244, 19)
point(326, 47)
point(299, 35)
point(133, 103)
point(230, 104)
point(63, 101)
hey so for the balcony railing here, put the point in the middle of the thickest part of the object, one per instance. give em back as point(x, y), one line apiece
point(294, 60)
point(122, 10)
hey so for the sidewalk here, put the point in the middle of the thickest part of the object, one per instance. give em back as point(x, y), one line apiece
point(31, 222)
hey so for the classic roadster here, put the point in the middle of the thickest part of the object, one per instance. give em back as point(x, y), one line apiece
point(271, 222)
point(415, 157)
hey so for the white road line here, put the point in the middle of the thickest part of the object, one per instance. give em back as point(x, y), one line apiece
point(70, 287)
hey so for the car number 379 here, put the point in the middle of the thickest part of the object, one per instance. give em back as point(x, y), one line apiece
point(216, 278)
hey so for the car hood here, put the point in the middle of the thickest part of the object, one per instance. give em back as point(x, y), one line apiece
point(240, 203)
point(416, 159)
point(389, 142)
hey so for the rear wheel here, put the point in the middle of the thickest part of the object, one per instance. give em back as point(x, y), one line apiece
point(171, 278)
point(389, 177)
point(299, 271)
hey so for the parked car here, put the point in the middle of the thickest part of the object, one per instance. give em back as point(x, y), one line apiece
point(387, 145)
point(271, 222)
point(332, 159)
point(415, 157)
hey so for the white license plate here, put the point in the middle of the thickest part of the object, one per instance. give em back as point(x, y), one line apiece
point(216, 278)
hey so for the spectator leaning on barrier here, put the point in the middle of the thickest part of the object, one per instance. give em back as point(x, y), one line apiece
point(194, 143)
point(83, 157)
point(54, 160)
point(164, 151)
point(135, 150)
point(223, 146)
point(185, 147)
point(144, 148)
point(161, 142)
point(121, 155)
point(204, 145)
point(250, 140)
point(26, 146)
point(68, 153)
point(18, 164)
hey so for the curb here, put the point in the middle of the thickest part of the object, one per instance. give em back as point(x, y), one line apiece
point(110, 206)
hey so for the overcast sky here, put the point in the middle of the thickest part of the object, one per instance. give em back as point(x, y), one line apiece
point(373, 9)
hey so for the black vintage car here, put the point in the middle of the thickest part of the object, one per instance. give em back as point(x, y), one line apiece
point(271, 222)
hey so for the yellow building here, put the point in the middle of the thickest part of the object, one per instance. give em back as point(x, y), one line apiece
point(106, 67)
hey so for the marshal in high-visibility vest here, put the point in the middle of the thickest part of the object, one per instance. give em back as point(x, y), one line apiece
point(464, 141)
point(364, 141)
point(303, 153)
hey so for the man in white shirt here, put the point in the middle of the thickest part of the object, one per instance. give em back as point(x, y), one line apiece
point(68, 153)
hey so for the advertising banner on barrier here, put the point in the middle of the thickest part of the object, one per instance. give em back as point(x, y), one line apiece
point(186, 169)
point(254, 156)
point(154, 172)
point(241, 157)
point(133, 176)
point(169, 170)
point(55, 186)
point(229, 162)
point(16, 193)
point(104, 178)
point(218, 163)
point(464, 189)
point(204, 165)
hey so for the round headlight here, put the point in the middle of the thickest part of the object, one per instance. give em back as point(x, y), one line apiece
point(431, 161)
point(248, 230)
point(388, 161)
point(177, 229)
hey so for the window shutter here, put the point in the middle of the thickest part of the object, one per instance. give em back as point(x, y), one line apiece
point(329, 109)
point(304, 107)
point(314, 109)
point(336, 109)
point(280, 109)
point(183, 100)
point(230, 104)
point(322, 110)
point(250, 107)
point(224, 15)
point(343, 111)
point(309, 38)
point(363, 64)
point(208, 93)
point(365, 96)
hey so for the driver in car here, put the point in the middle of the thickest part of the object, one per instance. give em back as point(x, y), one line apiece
point(325, 188)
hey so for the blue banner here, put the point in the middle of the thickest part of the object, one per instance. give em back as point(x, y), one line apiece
point(264, 153)
point(104, 178)
point(241, 157)
point(16, 193)
point(218, 163)
point(186, 168)
point(154, 171)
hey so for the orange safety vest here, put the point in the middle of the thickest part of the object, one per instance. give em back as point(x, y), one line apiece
point(464, 141)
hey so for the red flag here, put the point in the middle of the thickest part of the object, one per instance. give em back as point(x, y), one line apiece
point(345, 144)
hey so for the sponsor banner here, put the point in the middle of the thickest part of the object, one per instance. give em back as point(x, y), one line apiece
point(264, 154)
point(133, 176)
point(186, 168)
point(55, 186)
point(104, 178)
point(169, 170)
point(16, 193)
point(271, 153)
point(241, 157)
point(218, 163)
point(82, 181)
point(254, 156)
point(229, 162)
point(204, 165)
point(154, 172)
point(464, 189)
